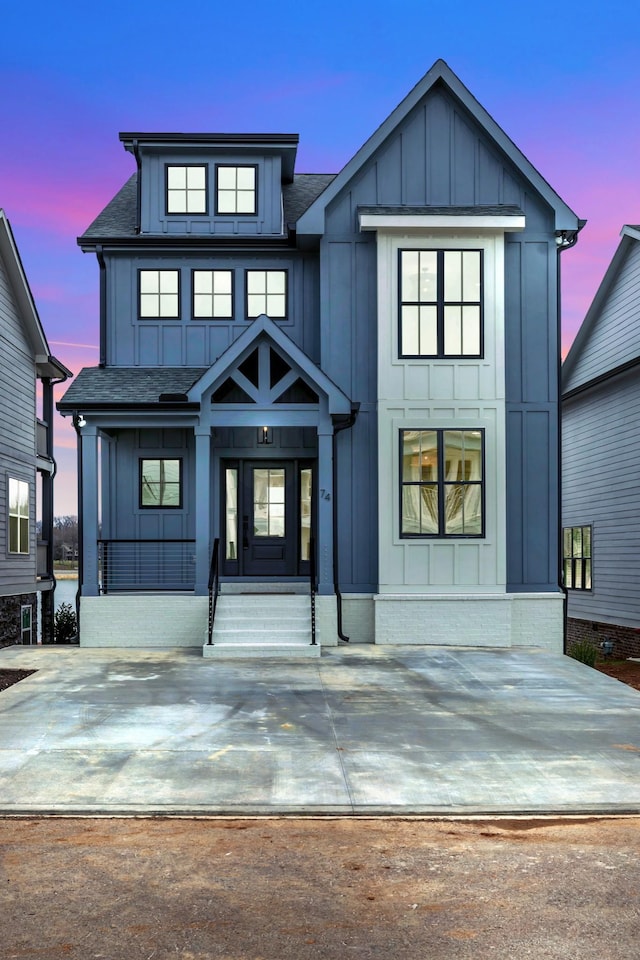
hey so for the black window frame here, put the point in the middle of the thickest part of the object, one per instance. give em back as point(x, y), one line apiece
point(266, 270)
point(229, 270)
point(441, 482)
point(237, 213)
point(187, 213)
point(440, 303)
point(585, 560)
point(172, 506)
point(159, 270)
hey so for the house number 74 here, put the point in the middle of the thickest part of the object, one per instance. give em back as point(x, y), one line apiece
point(324, 494)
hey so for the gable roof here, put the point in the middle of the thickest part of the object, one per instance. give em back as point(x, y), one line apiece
point(47, 365)
point(572, 376)
point(312, 221)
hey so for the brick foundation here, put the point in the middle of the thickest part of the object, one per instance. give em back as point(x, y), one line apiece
point(626, 640)
point(10, 632)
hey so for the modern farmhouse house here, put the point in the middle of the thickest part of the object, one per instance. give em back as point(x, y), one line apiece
point(347, 382)
point(26, 454)
point(601, 460)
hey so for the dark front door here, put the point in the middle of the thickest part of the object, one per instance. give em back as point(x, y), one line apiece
point(268, 516)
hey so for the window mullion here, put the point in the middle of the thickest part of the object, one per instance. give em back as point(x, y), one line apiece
point(440, 304)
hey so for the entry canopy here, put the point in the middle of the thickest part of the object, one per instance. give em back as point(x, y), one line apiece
point(265, 367)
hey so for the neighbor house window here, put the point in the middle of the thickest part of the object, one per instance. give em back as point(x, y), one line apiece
point(213, 294)
point(160, 483)
point(186, 189)
point(159, 294)
point(577, 557)
point(236, 190)
point(18, 516)
point(440, 303)
point(442, 483)
point(267, 293)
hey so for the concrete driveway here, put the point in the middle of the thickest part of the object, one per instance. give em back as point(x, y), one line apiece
point(361, 730)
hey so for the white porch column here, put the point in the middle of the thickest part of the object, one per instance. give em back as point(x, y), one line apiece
point(89, 509)
point(324, 536)
point(202, 517)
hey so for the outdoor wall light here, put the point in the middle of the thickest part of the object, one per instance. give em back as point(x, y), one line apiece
point(265, 435)
point(79, 420)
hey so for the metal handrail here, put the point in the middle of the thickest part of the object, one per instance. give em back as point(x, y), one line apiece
point(132, 564)
point(313, 585)
point(214, 587)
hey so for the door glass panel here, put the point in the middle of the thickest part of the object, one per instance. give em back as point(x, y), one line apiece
point(268, 502)
point(231, 479)
point(305, 513)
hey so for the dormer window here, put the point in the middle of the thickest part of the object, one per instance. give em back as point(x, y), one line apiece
point(186, 189)
point(236, 190)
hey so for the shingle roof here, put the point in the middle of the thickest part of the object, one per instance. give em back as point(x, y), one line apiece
point(127, 385)
point(118, 219)
point(508, 210)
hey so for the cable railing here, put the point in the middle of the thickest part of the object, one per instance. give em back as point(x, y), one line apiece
point(146, 565)
point(312, 588)
point(214, 587)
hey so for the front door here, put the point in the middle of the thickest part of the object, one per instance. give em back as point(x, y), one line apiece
point(268, 509)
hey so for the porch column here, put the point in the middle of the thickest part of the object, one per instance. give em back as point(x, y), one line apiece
point(202, 511)
point(89, 509)
point(324, 535)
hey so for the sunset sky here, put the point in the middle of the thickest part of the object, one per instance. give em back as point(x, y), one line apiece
point(562, 79)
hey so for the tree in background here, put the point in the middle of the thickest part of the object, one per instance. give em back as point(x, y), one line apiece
point(65, 538)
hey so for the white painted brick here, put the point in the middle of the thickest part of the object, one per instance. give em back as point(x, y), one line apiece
point(143, 621)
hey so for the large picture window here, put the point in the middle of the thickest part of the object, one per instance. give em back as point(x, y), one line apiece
point(18, 516)
point(186, 189)
point(161, 483)
point(267, 293)
point(159, 294)
point(213, 294)
point(577, 557)
point(442, 483)
point(440, 303)
point(236, 190)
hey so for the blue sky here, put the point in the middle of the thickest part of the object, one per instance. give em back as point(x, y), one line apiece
point(562, 79)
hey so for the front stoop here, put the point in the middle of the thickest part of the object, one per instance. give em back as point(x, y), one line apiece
point(260, 625)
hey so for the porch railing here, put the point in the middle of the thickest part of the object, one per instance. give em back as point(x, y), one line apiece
point(312, 588)
point(214, 586)
point(146, 565)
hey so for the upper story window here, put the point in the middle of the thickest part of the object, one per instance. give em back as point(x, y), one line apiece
point(577, 557)
point(186, 188)
point(236, 190)
point(159, 294)
point(442, 483)
point(161, 483)
point(440, 303)
point(267, 293)
point(213, 294)
point(18, 516)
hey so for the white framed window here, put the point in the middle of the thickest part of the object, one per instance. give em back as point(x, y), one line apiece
point(236, 190)
point(18, 516)
point(442, 483)
point(440, 308)
point(212, 294)
point(159, 294)
point(266, 293)
point(186, 188)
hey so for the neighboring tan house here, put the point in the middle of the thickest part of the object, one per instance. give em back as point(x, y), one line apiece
point(26, 454)
point(358, 370)
point(601, 460)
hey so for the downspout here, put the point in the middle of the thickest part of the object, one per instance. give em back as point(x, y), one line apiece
point(338, 425)
point(47, 492)
point(136, 153)
point(76, 427)
point(565, 240)
point(103, 306)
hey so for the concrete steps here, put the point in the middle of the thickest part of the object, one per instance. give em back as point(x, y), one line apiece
point(260, 624)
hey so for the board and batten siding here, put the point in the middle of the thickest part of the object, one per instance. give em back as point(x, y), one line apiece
point(17, 435)
point(601, 483)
